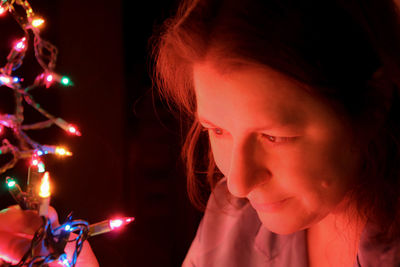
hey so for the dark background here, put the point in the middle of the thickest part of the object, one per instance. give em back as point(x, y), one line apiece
point(127, 160)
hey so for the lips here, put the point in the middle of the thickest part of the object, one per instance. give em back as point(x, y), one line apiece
point(270, 207)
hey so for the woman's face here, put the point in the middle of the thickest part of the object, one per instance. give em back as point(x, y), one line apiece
point(279, 147)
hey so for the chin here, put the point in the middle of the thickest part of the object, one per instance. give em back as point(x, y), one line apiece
point(281, 224)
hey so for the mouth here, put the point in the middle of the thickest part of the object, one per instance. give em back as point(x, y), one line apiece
point(270, 207)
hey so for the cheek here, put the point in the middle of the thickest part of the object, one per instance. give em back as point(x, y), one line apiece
point(316, 175)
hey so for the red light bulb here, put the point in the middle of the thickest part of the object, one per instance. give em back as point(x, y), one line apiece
point(116, 223)
point(72, 129)
point(2, 11)
point(20, 45)
point(49, 78)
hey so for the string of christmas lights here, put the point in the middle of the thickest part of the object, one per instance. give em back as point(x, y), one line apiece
point(38, 193)
point(46, 55)
point(56, 239)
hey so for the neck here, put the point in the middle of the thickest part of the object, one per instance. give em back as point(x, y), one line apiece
point(338, 233)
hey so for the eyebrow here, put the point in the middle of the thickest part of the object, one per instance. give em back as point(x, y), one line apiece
point(202, 120)
point(283, 120)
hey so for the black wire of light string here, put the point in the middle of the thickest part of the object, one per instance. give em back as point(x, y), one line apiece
point(45, 234)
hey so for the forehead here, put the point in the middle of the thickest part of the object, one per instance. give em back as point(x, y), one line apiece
point(251, 93)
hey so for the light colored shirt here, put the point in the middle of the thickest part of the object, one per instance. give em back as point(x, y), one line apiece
point(231, 234)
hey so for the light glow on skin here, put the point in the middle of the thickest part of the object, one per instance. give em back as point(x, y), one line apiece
point(8, 259)
point(251, 115)
point(45, 186)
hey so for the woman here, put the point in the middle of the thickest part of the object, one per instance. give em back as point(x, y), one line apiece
point(295, 107)
point(300, 103)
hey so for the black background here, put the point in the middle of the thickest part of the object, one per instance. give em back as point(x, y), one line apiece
point(127, 160)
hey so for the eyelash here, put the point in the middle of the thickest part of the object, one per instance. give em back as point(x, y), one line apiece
point(270, 138)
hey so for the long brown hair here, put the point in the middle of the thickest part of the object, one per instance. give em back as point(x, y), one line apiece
point(347, 51)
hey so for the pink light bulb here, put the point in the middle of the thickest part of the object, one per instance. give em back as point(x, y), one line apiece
point(20, 46)
point(72, 129)
point(115, 223)
point(49, 78)
point(2, 10)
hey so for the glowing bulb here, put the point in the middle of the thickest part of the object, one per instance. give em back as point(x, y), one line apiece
point(37, 22)
point(2, 10)
point(11, 182)
point(34, 162)
point(115, 223)
point(20, 46)
point(67, 227)
point(45, 186)
point(41, 167)
point(62, 151)
point(72, 129)
point(67, 127)
point(65, 81)
point(49, 78)
point(39, 152)
point(5, 80)
point(119, 222)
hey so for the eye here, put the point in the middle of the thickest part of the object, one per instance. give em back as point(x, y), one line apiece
point(277, 139)
point(214, 131)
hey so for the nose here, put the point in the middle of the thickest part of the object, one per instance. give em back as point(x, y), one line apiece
point(247, 168)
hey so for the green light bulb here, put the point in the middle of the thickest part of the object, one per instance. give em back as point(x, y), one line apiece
point(11, 183)
point(65, 81)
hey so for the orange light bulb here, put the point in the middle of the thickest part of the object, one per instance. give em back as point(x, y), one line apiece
point(45, 186)
point(37, 22)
